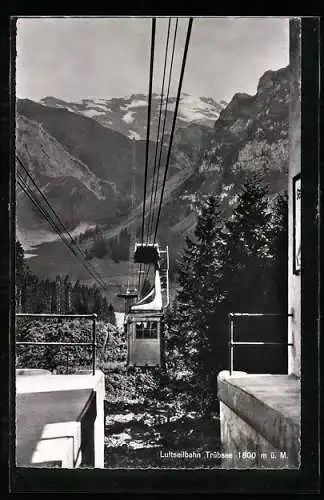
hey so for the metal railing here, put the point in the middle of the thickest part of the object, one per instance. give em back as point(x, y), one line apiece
point(66, 316)
point(232, 343)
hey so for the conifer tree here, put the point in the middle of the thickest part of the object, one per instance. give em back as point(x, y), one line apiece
point(198, 297)
point(248, 255)
point(278, 272)
point(239, 265)
point(105, 311)
point(111, 314)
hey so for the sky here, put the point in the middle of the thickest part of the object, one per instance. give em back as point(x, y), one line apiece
point(78, 58)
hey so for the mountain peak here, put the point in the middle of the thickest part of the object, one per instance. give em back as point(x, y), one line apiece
point(128, 115)
point(270, 77)
point(51, 101)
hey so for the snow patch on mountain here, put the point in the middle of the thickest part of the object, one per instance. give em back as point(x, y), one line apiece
point(57, 105)
point(124, 113)
point(129, 117)
point(81, 228)
point(93, 112)
point(31, 238)
point(100, 101)
point(100, 107)
point(193, 109)
point(136, 103)
point(134, 135)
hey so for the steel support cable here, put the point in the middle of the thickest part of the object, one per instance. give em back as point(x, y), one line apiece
point(132, 226)
point(158, 130)
point(148, 123)
point(60, 224)
point(49, 219)
point(139, 280)
point(174, 122)
point(53, 224)
point(59, 221)
point(47, 216)
point(43, 211)
point(164, 124)
point(165, 112)
point(31, 195)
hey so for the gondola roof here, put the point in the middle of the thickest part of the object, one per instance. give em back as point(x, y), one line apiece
point(148, 253)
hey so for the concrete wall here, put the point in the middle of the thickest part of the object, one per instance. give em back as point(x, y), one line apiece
point(63, 429)
point(259, 420)
point(294, 291)
point(245, 448)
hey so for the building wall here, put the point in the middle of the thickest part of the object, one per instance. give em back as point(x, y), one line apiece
point(294, 287)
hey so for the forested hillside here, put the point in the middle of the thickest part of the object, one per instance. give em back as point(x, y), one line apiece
point(60, 296)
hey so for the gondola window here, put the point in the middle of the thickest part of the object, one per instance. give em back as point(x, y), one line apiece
point(146, 330)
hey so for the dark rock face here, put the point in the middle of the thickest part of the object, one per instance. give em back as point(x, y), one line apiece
point(251, 135)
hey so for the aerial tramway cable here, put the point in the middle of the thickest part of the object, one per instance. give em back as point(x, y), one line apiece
point(147, 137)
point(164, 122)
point(158, 130)
point(133, 226)
point(60, 227)
point(49, 219)
point(148, 122)
point(171, 135)
point(163, 131)
point(174, 122)
point(56, 223)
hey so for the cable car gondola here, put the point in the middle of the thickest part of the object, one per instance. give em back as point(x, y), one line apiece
point(144, 321)
point(144, 328)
